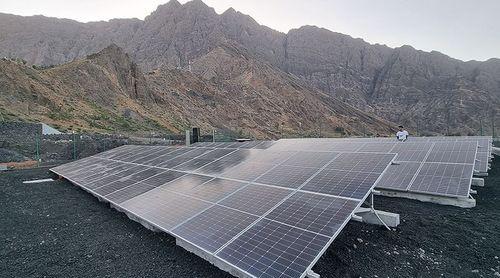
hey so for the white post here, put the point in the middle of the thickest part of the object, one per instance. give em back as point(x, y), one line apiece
point(188, 138)
point(213, 135)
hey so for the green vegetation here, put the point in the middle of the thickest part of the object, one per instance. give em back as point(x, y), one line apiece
point(105, 120)
point(61, 115)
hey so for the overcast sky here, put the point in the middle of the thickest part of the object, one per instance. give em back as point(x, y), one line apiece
point(463, 29)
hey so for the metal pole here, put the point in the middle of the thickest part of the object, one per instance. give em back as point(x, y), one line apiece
point(213, 135)
point(74, 145)
point(37, 151)
point(493, 126)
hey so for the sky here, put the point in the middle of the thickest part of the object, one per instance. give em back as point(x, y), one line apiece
point(463, 29)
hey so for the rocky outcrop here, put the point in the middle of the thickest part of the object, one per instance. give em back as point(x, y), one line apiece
point(428, 91)
point(229, 90)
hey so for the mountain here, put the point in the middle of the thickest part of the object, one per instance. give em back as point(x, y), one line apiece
point(107, 92)
point(427, 91)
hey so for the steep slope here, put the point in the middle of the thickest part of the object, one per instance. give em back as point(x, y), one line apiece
point(108, 92)
point(425, 91)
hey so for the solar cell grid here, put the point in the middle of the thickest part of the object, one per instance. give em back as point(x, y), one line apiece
point(177, 161)
point(136, 154)
point(214, 227)
point(115, 177)
point(184, 203)
point(129, 192)
point(186, 183)
point(163, 178)
point(78, 165)
point(377, 147)
point(128, 150)
point(153, 154)
point(256, 199)
point(127, 181)
point(269, 157)
point(193, 164)
point(309, 159)
point(246, 171)
point(223, 144)
point(270, 249)
point(287, 176)
point(443, 179)
point(217, 167)
point(411, 151)
point(114, 186)
point(399, 177)
point(342, 183)
point(316, 213)
point(241, 155)
point(453, 152)
point(264, 145)
point(251, 144)
point(202, 160)
point(211, 191)
point(113, 168)
point(165, 209)
point(361, 162)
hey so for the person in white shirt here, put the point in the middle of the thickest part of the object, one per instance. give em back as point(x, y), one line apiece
point(402, 134)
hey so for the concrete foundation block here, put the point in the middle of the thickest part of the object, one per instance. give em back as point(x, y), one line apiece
point(477, 182)
point(368, 216)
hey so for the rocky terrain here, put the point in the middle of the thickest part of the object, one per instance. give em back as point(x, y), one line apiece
point(108, 92)
point(428, 92)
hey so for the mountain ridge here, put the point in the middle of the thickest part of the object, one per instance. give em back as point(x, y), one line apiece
point(107, 92)
point(451, 95)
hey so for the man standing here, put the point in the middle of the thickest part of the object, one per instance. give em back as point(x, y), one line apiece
point(402, 134)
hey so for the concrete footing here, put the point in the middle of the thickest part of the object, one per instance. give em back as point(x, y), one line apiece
point(477, 182)
point(366, 215)
point(442, 200)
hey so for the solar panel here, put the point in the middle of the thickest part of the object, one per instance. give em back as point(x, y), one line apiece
point(163, 208)
point(214, 227)
point(321, 214)
point(399, 176)
point(443, 179)
point(222, 200)
point(271, 249)
point(256, 199)
point(453, 152)
point(342, 183)
point(234, 145)
point(411, 157)
point(287, 176)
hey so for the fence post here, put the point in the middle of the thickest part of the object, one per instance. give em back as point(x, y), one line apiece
point(37, 143)
point(188, 138)
point(74, 145)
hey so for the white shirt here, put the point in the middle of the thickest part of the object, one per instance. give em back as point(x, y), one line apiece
point(402, 135)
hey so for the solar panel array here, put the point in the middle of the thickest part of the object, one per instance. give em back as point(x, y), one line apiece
point(264, 211)
point(441, 166)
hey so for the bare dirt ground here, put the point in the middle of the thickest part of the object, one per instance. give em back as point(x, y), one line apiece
point(57, 230)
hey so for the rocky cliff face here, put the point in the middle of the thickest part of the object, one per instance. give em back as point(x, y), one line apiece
point(107, 92)
point(426, 91)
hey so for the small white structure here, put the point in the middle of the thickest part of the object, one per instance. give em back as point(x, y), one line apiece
point(48, 130)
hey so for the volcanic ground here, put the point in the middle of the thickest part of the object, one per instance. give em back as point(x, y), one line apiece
point(56, 229)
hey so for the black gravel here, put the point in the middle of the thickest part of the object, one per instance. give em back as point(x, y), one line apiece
point(57, 230)
point(11, 156)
